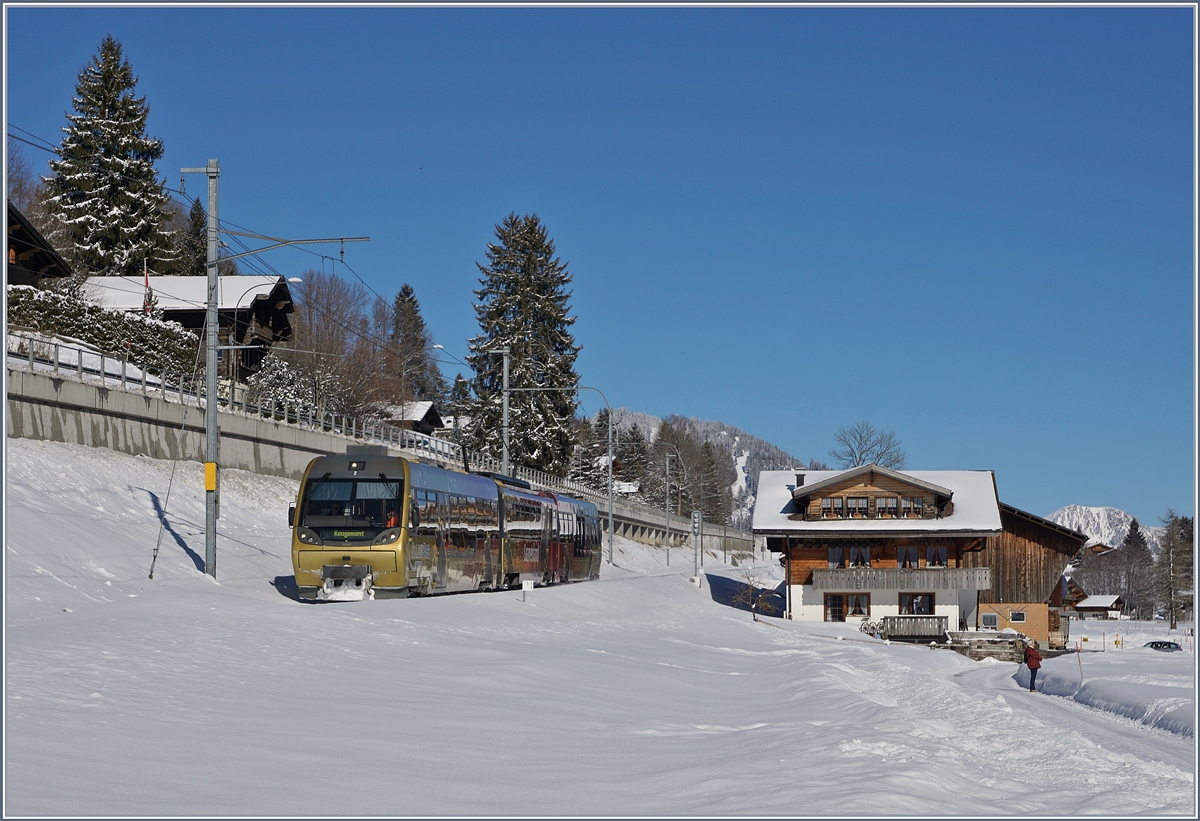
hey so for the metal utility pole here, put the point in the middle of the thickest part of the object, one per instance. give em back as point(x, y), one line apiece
point(698, 536)
point(210, 376)
point(610, 481)
point(667, 506)
point(211, 344)
point(504, 408)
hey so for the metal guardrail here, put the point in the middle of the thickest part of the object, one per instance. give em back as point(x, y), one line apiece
point(925, 578)
point(86, 364)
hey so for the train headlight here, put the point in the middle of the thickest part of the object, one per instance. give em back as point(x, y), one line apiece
point(387, 536)
point(308, 536)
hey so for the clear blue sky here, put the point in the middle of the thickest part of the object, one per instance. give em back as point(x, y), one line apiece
point(971, 226)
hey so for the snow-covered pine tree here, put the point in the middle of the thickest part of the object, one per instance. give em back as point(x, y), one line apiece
point(717, 476)
point(106, 194)
point(1138, 570)
point(459, 399)
point(591, 463)
point(523, 306)
point(416, 368)
point(192, 243)
point(1174, 581)
point(633, 454)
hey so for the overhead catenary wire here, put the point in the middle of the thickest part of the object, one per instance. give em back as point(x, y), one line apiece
point(374, 343)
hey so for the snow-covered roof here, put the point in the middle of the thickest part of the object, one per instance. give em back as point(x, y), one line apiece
point(408, 411)
point(832, 477)
point(181, 293)
point(976, 509)
point(1099, 603)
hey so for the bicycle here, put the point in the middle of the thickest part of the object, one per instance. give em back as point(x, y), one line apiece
point(871, 628)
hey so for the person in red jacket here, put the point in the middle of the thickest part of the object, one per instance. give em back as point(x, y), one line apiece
point(1033, 660)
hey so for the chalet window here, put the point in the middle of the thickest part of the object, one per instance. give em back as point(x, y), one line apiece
point(1016, 617)
point(858, 506)
point(906, 557)
point(858, 604)
point(911, 506)
point(860, 557)
point(935, 557)
point(839, 507)
point(835, 607)
point(826, 508)
point(916, 604)
point(990, 621)
point(837, 557)
point(885, 507)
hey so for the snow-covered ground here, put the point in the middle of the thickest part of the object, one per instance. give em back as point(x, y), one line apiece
point(638, 694)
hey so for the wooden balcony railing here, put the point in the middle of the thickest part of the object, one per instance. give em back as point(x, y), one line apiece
point(893, 578)
point(914, 626)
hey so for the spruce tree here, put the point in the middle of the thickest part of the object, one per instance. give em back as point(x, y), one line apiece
point(459, 398)
point(1173, 577)
point(716, 495)
point(523, 307)
point(192, 243)
point(105, 192)
point(634, 454)
point(1137, 573)
point(416, 368)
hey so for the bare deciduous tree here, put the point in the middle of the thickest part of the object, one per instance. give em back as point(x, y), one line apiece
point(753, 595)
point(864, 444)
point(326, 347)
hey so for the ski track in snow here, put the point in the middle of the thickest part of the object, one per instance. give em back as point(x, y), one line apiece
point(634, 695)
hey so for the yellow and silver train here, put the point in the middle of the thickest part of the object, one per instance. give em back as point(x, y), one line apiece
point(366, 523)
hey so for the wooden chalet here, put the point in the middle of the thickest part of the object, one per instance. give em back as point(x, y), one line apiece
point(1067, 594)
point(30, 257)
point(1027, 561)
point(251, 310)
point(422, 417)
point(1100, 607)
point(925, 552)
point(879, 544)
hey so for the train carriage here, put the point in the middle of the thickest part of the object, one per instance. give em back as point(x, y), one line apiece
point(394, 527)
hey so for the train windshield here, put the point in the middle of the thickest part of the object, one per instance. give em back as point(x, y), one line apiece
point(345, 504)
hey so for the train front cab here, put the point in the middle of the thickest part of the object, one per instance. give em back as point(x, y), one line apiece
point(348, 533)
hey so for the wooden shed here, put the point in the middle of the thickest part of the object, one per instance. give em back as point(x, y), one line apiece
point(1027, 561)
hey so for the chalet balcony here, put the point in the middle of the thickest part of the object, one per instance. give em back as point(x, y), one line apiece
point(914, 627)
point(842, 579)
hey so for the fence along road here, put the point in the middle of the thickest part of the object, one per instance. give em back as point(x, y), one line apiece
point(62, 392)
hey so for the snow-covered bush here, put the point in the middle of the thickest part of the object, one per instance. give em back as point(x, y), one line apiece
point(158, 344)
point(276, 380)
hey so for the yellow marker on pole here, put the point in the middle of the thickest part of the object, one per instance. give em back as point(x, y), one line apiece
point(210, 475)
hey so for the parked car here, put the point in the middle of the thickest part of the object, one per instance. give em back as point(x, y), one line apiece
point(1165, 646)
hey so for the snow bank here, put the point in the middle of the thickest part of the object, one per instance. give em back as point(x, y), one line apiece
point(1149, 686)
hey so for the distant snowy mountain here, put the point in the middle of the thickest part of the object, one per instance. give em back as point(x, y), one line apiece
point(1107, 525)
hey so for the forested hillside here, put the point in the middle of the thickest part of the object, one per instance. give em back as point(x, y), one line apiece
point(715, 466)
